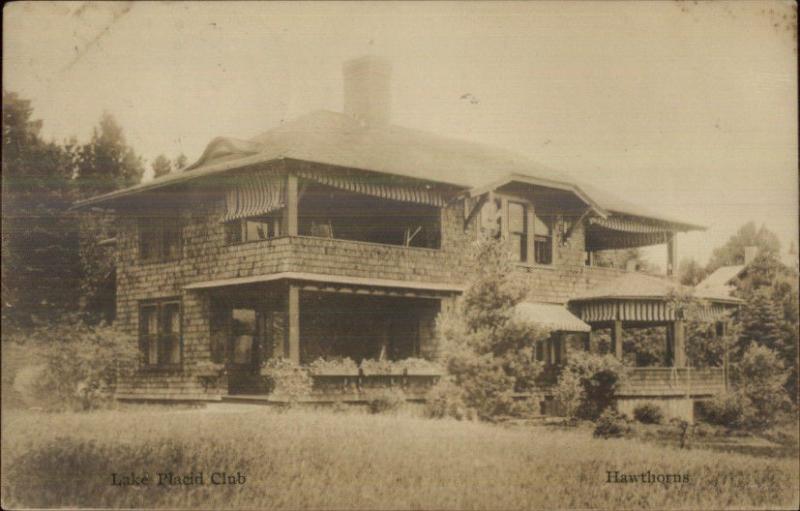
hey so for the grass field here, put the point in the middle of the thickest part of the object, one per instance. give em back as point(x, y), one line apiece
point(323, 460)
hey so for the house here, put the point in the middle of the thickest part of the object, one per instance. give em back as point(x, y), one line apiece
point(342, 235)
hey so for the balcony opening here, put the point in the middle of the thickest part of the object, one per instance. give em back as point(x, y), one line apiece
point(328, 212)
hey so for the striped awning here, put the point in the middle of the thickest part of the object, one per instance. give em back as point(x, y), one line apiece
point(629, 224)
point(549, 315)
point(255, 194)
point(643, 311)
point(382, 186)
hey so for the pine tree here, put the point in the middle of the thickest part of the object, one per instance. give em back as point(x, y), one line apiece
point(40, 244)
point(761, 322)
point(161, 166)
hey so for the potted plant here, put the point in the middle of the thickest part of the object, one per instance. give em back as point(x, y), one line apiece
point(420, 367)
point(333, 367)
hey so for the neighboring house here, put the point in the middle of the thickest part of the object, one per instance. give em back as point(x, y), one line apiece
point(341, 235)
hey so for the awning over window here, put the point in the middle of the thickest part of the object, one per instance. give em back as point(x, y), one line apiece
point(618, 232)
point(255, 194)
point(377, 185)
point(555, 317)
point(645, 311)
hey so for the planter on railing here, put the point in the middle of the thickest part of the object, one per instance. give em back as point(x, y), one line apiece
point(412, 375)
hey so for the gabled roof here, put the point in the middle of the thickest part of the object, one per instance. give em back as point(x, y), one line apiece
point(634, 285)
point(720, 281)
point(339, 140)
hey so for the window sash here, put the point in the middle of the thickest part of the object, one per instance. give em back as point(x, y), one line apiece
point(160, 334)
point(160, 239)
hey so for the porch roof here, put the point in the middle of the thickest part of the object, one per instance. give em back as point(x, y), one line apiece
point(338, 140)
point(550, 315)
point(328, 279)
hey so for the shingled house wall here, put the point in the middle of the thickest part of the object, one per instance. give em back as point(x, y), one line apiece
point(205, 256)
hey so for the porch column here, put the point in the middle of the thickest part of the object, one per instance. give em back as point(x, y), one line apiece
point(669, 346)
point(293, 311)
point(672, 255)
point(725, 356)
point(616, 339)
point(678, 344)
point(290, 215)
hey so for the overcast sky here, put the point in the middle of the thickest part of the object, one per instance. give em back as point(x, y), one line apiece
point(688, 108)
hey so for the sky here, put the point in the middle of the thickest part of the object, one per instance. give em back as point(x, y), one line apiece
point(688, 108)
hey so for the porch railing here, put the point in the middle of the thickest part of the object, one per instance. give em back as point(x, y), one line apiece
point(673, 381)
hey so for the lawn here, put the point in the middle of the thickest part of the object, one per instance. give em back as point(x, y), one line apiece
point(325, 460)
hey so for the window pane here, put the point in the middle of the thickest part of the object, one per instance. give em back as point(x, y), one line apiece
point(172, 318)
point(172, 238)
point(148, 239)
point(542, 250)
point(244, 329)
point(152, 349)
point(172, 349)
point(516, 217)
point(149, 320)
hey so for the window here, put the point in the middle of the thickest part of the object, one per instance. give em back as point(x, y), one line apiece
point(160, 333)
point(542, 240)
point(518, 229)
point(252, 229)
point(160, 238)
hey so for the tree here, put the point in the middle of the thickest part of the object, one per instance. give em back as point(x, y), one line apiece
point(690, 272)
point(107, 163)
point(761, 379)
point(40, 243)
point(487, 349)
point(104, 164)
point(180, 162)
point(161, 166)
point(732, 252)
point(770, 313)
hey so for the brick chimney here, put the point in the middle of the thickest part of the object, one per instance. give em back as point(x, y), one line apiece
point(750, 253)
point(367, 90)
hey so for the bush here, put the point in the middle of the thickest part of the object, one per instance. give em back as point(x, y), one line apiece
point(761, 381)
point(569, 393)
point(385, 400)
point(611, 424)
point(648, 413)
point(599, 377)
point(446, 399)
point(80, 365)
point(722, 410)
point(286, 379)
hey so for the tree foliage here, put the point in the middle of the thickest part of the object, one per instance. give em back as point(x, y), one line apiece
point(488, 351)
point(161, 166)
point(40, 241)
point(732, 252)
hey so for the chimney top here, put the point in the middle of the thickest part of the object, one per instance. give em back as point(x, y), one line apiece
point(367, 90)
point(750, 254)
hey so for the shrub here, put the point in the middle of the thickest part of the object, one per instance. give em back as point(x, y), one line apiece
point(599, 376)
point(446, 399)
point(648, 413)
point(286, 379)
point(385, 400)
point(485, 345)
point(335, 365)
point(612, 424)
point(761, 382)
point(569, 393)
point(722, 410)
point(80, 365)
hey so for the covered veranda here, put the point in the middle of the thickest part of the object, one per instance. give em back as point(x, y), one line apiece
point(637, 301)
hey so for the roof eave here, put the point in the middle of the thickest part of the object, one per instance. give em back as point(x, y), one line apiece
point(543, 182)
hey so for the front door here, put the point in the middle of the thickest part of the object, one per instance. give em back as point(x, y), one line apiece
point(244, 351)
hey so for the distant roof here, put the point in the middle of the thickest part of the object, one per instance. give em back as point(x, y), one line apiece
point(553, 316)
point(719, 282)
point(337, 139)
point(634, 285)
